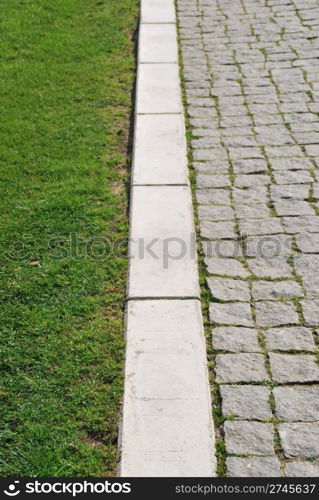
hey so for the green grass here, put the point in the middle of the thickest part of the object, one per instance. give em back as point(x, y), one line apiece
point(67, 72)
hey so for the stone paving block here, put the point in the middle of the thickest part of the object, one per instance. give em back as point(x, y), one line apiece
point(274, 290)
point(213, 196)
point(268, 245)
point(302, 469)
point(235, 313)
point(253, 467)
point(297, 403)
point(269, 313)
point(211, 181)
point(157, 11)
point(298, 224)
point(157, 43)
point(267, 226)
point(228, 267)
point(289, 338)
point(254, 166)
point(254, 438)
point(293, 207)
point(312, 149)
point(290, 192)
point(217, 230)
point(229, 289)
point(246, 401)
point(288, 368)
point(307, 265)
point(310, 311)
point(163, 262)
point(207, 154)
point(235, 339)
point(300, 440)
point(311, 285)
point(158, 89)
point(215, 213)
point(292, 177)
point(247, 180)
point(255, 211)
point(290, 163)
point(240, 368)
point(160, 150)
point(159, 437)
point(222, 248)
point(250, 195)
point(272, 267)
point(308, 242)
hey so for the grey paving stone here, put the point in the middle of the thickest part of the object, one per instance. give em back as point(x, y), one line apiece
point(310, 310)
point(300, 440)
point(271, 225)
point(272, 267)
point(209, 154)
point(269, 313)
point(217, 230)
point(250, 195)
point(247, 180)
point(311, 285)
point(254, 166)
point(267, 245)
point(246, 401)
point(290, 163)
point(255, 211)
point(288, 368)
point(297, 403)
point(235, 313)
point(245, 367)
point(222, 248)
point(215, 213)
point(235, 339)
point(293, 207)
point(213, 196)
point(307, 265)
point(229, 289)
point(228, 267)
point(308, 242)
point(208, 181)
point(253, 467)
point(273, 290)
point(298, 224)
point(290, 192)
point(302, 469)
point(289, 338)
point(292, 177)
point(312, 149)
point(254, 438)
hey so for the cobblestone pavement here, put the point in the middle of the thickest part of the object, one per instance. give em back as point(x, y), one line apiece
point(251, 70)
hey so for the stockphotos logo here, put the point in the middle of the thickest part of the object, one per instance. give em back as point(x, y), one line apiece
point(12, 490)
point(67, 488)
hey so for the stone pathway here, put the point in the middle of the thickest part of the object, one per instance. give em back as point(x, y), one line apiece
point(251, 70)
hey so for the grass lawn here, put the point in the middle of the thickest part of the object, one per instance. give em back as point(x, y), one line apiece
point(67, 72)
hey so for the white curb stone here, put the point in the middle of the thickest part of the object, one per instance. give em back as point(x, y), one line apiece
point(167, 427)
point(158, 89)
point(162, 243)
point(157, 11)
point(157, 43)
point(167, 413)
point(160, 150)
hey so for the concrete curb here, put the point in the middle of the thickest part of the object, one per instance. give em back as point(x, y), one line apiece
point(167, 427)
